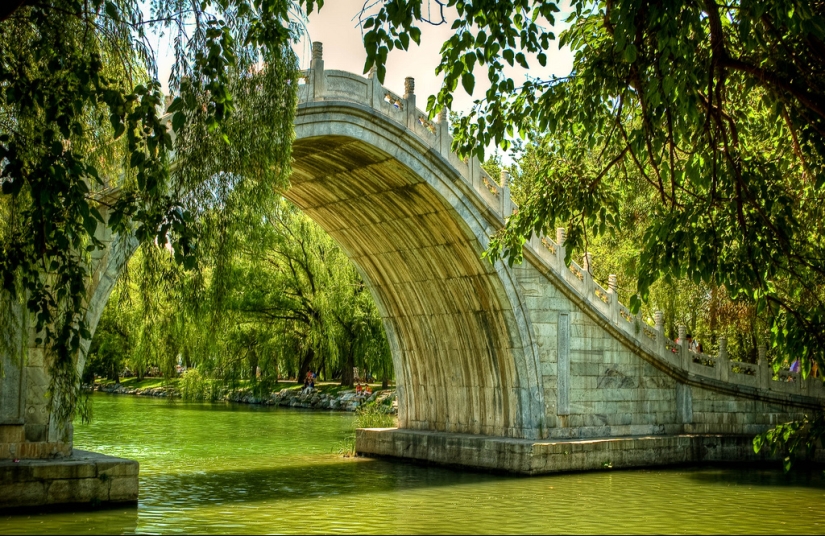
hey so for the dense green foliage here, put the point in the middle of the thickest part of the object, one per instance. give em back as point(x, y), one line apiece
point(793, 440)
point(84, 144)
point(707, 310)
point(706, 119)
point(278, 299)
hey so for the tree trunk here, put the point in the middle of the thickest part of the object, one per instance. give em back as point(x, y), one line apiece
point(253, 366)
point(347, 376)
point(305, 364)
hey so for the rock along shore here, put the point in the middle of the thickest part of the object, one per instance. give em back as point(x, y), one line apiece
point(294, 398)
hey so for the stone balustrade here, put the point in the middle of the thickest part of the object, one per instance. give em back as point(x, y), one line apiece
point(318, 84)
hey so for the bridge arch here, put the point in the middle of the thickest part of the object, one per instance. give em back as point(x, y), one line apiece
point(460, 337)
point(536, 351)
point(531, 351)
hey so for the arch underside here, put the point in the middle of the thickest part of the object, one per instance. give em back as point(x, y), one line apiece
point(448, 317)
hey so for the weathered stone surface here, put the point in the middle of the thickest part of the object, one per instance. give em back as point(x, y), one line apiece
point(12, 433)
point(534, 457)
point(123, 488)
point(83, 477)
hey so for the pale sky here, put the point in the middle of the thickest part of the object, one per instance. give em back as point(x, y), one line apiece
point(335, 27)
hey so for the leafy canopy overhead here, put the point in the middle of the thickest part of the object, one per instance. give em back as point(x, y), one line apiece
point(714, 111)
point(85, 145)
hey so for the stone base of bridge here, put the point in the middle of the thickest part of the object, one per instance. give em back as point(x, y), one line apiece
point(531, 457)
point(81, 479)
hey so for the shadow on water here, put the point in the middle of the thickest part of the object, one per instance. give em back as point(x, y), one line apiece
point(164, 403)
point(221, 406)
point(114, 520)
point(341, 478)
point(769, 476)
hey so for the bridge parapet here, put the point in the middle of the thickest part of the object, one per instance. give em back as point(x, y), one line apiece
point(319, 84)
point(652, 340)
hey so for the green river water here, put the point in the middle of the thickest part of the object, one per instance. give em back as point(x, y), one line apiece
point(221, 468)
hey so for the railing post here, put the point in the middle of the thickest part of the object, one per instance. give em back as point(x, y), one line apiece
point(683, 348)
point(561, 234)
point(658, 320)
point(722, 359)
point(588, 278)
point(317, 68)
point(375, 97)
point(445, 141)
point(506, 202)
point(409, 97)
point(764, 368)
point(476, 177)
point(613, 297)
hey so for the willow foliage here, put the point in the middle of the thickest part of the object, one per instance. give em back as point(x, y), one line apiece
point(85, 145)
point(279, 296)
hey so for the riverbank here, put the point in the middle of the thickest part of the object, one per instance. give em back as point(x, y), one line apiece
point(326, 396)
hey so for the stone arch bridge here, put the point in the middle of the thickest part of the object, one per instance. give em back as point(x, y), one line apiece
point(534, 368)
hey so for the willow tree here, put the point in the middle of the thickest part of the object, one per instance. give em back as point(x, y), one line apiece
point(82, 134)
point(297, 281)
point(278, 297)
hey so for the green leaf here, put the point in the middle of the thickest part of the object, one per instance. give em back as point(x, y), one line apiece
point(177, 121)
point(757, 443)
point(112, 11)
point(137, 158)
point(176, 105)
point(468, 81)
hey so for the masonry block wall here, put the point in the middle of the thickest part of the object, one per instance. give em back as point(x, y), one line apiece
point(595, 386)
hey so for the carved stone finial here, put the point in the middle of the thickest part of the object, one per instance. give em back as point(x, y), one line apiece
point(442, 115)
point(723, 345)
point(504, 178)
point(612, 282)
point(658, 319)
point(683, 334)
point(317, 50)
point(588, 261)
point(561, 234)
point(763, 352)
point(409, 87)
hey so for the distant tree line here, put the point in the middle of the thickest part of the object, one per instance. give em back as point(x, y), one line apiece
point(276, 298)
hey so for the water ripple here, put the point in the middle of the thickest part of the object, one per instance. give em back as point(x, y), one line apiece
point(217, 469)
